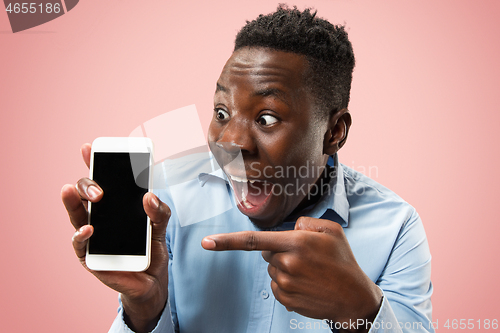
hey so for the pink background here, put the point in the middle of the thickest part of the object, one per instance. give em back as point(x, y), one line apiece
point(425, 107)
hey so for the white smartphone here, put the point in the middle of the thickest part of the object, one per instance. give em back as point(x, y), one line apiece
point(122, 231)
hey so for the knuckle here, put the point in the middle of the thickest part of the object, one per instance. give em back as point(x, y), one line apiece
point(78, 244)
point(167, 210)
point(300, 222)
point(159, 238)
point(284, 282)
point(303, 221)
point(271, 270)
point(81, 187)
point(290, 265)
point(81, 183)
point(281, 296)
point(278, 293)
point(335, 229)
point(251, 242)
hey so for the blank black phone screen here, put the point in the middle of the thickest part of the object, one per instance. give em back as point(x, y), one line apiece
point(119, 220)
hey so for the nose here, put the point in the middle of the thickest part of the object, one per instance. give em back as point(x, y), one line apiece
point(237, 137)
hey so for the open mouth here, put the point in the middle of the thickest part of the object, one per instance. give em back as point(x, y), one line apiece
point(251, 195)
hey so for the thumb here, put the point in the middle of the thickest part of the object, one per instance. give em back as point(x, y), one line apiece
point(317, 225)
point(159, 214)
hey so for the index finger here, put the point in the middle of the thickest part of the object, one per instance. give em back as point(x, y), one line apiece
point(275, 241)
point(85, 150)
point(74, 206)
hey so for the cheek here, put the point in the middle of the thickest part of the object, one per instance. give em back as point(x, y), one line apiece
point(277, 149)
point(307, 146)
point(306, 151)
point(314, 141)
point(213, 132)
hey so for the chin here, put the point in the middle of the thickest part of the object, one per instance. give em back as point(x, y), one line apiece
point(265, 221)
point(266, 224)
point(265, 210)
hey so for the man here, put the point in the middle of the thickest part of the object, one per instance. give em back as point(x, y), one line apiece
point(327, 249)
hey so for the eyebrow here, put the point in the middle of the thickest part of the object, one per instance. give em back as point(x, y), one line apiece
point(275, 92)
point(270, 92)
point(220, 88)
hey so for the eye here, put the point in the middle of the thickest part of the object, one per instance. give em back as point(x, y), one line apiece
point(267, 120)
point(221, 114)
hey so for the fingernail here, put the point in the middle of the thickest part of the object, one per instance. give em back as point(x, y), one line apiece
point(208, 243)
point(154, 202)
point(93, 192)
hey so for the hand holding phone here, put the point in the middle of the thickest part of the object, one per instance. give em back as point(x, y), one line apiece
point(144, 294)
point(121, 241)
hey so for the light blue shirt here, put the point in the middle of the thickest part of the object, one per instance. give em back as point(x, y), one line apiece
point(230, 291)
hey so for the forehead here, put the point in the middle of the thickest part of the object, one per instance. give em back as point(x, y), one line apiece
point(264, 65)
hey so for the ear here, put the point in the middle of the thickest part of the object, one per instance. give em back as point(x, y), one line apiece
point(336, 134)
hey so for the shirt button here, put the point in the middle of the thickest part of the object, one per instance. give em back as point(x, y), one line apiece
point(264, 294)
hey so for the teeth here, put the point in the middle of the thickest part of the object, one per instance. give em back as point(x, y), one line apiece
point(244, 200)
point(238, 179)
point(242, 180)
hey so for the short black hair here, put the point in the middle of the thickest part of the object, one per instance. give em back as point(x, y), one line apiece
point(326, 47)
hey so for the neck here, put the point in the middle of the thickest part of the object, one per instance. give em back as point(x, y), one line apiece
point(321, 184)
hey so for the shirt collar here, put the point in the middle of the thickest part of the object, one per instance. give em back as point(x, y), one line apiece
point(336, 198)
point(333, 205)
point(217, 172)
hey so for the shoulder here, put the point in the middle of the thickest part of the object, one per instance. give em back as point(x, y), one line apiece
point(385, 224)
point(366, 195)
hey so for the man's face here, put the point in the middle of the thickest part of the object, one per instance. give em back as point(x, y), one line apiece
point(265, 115)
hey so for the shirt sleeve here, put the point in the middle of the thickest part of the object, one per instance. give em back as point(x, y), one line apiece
point(164, 325)
point(406, 284)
